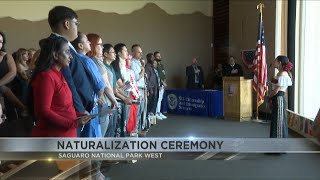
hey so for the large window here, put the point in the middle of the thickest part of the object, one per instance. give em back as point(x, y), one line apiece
point(307, 100)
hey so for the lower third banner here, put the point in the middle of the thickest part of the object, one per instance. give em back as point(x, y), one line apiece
point(142, 148)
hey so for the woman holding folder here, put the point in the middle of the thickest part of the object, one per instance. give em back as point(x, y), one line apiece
point(52, 99)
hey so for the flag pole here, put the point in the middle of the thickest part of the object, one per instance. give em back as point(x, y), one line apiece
point(259, 7)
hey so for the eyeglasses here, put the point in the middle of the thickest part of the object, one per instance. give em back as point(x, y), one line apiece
point(112, 52)
point(77, 23)
point(101, 45)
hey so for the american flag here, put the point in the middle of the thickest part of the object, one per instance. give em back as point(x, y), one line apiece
point(127, 86)
point(260, 70)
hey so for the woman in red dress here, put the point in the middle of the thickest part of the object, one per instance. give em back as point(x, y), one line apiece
point(52, 98)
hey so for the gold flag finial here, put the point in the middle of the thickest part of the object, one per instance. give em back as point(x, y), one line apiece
point(260, 6)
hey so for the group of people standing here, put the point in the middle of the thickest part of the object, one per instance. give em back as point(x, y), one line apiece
point(76, 75)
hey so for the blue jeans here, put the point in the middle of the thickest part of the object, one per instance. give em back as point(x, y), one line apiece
point(112, 125)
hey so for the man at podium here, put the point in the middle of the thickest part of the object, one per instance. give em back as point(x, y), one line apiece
point(232, 69)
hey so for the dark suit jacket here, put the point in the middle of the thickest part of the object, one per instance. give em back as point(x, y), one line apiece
point(227, 70)
point(79, 80)
point(191, 78)
point(152, 83)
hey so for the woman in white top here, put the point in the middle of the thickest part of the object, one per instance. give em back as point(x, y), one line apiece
point(279, 125)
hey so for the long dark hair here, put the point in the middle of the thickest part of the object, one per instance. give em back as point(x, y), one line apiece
point(45, 60)
point(149, 58)
point(117, 48)
point(286, 64)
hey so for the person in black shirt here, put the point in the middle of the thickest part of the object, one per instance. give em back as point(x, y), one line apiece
point(232, 69)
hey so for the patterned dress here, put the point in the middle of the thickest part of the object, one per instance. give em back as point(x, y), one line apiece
point(279, 121)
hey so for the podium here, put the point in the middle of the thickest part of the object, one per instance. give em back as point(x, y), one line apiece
point(237, 98)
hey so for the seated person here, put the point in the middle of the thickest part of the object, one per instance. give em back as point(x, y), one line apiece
point(232, 69)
